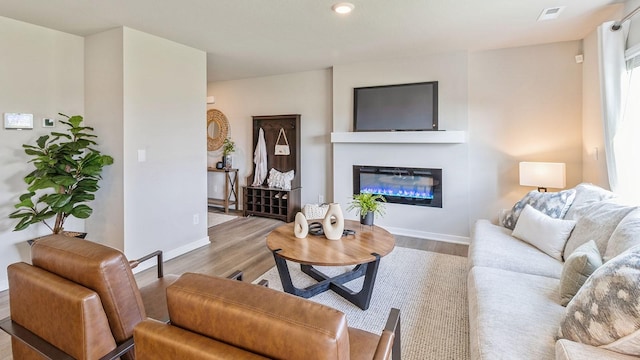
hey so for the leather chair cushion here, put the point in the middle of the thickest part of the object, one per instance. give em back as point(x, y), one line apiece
point(65, 314)
point(100, 268)
point(258, 319)
point(159, 341)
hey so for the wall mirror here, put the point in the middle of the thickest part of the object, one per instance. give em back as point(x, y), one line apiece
point(217, 129)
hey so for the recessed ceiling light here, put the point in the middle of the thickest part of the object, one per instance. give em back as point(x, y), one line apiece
point(550, 13)
point(343, 8)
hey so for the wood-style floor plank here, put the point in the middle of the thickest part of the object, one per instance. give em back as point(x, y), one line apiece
point(238, 244)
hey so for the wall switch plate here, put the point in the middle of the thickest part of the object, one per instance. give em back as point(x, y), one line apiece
point(142, 155)
point(196, 219)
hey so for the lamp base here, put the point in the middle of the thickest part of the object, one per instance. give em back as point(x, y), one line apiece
point(542, 189)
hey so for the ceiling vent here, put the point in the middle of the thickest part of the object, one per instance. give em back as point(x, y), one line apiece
point(550, 13)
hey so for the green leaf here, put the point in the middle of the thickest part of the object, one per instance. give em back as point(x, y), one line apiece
point(63, 180)
point(57, 200)
point(75, 120)
point(81, 211)
point(42, 141)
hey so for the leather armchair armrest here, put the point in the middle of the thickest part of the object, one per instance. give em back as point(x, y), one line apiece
point(389, 343)
point(157, 254)
point(48, 351)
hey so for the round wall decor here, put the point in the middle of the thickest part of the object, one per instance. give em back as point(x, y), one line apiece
point(217, 129)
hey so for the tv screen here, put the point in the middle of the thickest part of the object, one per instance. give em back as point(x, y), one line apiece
point(404, 107)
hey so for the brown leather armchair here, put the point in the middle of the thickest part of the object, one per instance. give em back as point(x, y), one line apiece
point(213, 318)
point(78, 300)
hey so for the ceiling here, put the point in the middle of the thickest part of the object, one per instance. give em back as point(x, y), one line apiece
point(250, 38)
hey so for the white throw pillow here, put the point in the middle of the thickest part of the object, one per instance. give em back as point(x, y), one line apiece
point(544, 232)
point(587, 194)
point(279, 179)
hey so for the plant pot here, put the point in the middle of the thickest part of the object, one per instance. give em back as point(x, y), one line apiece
point(227, 162)
point(74, 234)
point(367, 219)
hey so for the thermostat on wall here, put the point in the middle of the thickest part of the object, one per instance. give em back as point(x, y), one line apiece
point(17, 121)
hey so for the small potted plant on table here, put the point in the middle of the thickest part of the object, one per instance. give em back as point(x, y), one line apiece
point(367, 205)
point(67, 170)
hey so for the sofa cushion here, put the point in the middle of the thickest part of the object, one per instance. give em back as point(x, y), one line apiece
point(571, 350)
point(596, 222)
point(554, 204)
point(544, 232)
point(606, 310)
point(493, 246)
point(578, 267)
point(512, 315)
point(587, 194)
point(625, 236)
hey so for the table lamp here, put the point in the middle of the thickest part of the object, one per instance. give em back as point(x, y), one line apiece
point(543, 175)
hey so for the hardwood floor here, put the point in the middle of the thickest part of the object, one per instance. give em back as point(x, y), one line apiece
point(235, 245)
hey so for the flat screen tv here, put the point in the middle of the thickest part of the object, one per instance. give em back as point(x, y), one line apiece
point(403, 107)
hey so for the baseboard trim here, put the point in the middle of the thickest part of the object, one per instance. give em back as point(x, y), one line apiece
point(168, 255)
point(455, 239)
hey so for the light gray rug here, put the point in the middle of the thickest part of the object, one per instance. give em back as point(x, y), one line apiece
point(214, 219)
point(430, 290)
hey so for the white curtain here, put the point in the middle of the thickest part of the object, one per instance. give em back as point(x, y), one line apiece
point(613, 83)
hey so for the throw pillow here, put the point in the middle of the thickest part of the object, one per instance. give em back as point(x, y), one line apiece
point(578, 267)
point(279, 179)
point(587, 194)
point(553, 204)
point(545, 233)
point(596, 222)
point(625, 236)
point(606, 310)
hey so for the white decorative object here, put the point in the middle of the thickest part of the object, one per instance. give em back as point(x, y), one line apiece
point(315, 211)
point(333, 231)
point(300, 227)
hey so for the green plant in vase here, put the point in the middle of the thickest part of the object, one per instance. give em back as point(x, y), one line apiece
point(66, 175)
point(367, 205)
point(228, 147)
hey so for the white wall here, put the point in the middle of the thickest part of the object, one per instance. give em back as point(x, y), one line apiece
point(41, 72)
point(593, 151)
point(305, 93)
point(163, 113)
point(525, 104)
point(450, 70)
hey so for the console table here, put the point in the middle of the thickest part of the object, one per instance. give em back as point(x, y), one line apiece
point(230, 189)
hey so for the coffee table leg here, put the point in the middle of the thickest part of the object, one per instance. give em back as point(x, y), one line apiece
point(287, 284)
point(361, 298)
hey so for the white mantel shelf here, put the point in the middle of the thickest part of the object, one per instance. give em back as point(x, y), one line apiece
point(401, 137)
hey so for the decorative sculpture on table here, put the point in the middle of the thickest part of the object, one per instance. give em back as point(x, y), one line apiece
point(301, 226)
point(333, 223)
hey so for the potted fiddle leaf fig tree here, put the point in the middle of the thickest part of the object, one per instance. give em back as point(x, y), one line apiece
point(367, 205)
point(65, 178)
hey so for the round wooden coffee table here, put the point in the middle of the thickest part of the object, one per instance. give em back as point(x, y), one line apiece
point(363, 249)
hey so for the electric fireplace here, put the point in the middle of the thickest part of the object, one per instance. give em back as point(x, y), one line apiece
point(411, 186)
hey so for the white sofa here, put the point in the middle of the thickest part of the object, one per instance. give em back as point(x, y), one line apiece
point(514, 300)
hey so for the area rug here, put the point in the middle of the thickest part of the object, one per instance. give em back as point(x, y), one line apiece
point(429, 289)
point(214, 219)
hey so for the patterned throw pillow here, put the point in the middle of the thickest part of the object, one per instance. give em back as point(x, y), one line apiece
point(578, 267)
point(554, 205)
point(606, 310)
point(280, 180)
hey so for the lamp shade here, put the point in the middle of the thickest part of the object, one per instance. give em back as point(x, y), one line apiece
point(543, 174)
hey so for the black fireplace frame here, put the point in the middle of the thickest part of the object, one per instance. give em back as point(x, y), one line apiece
point(436, 174)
